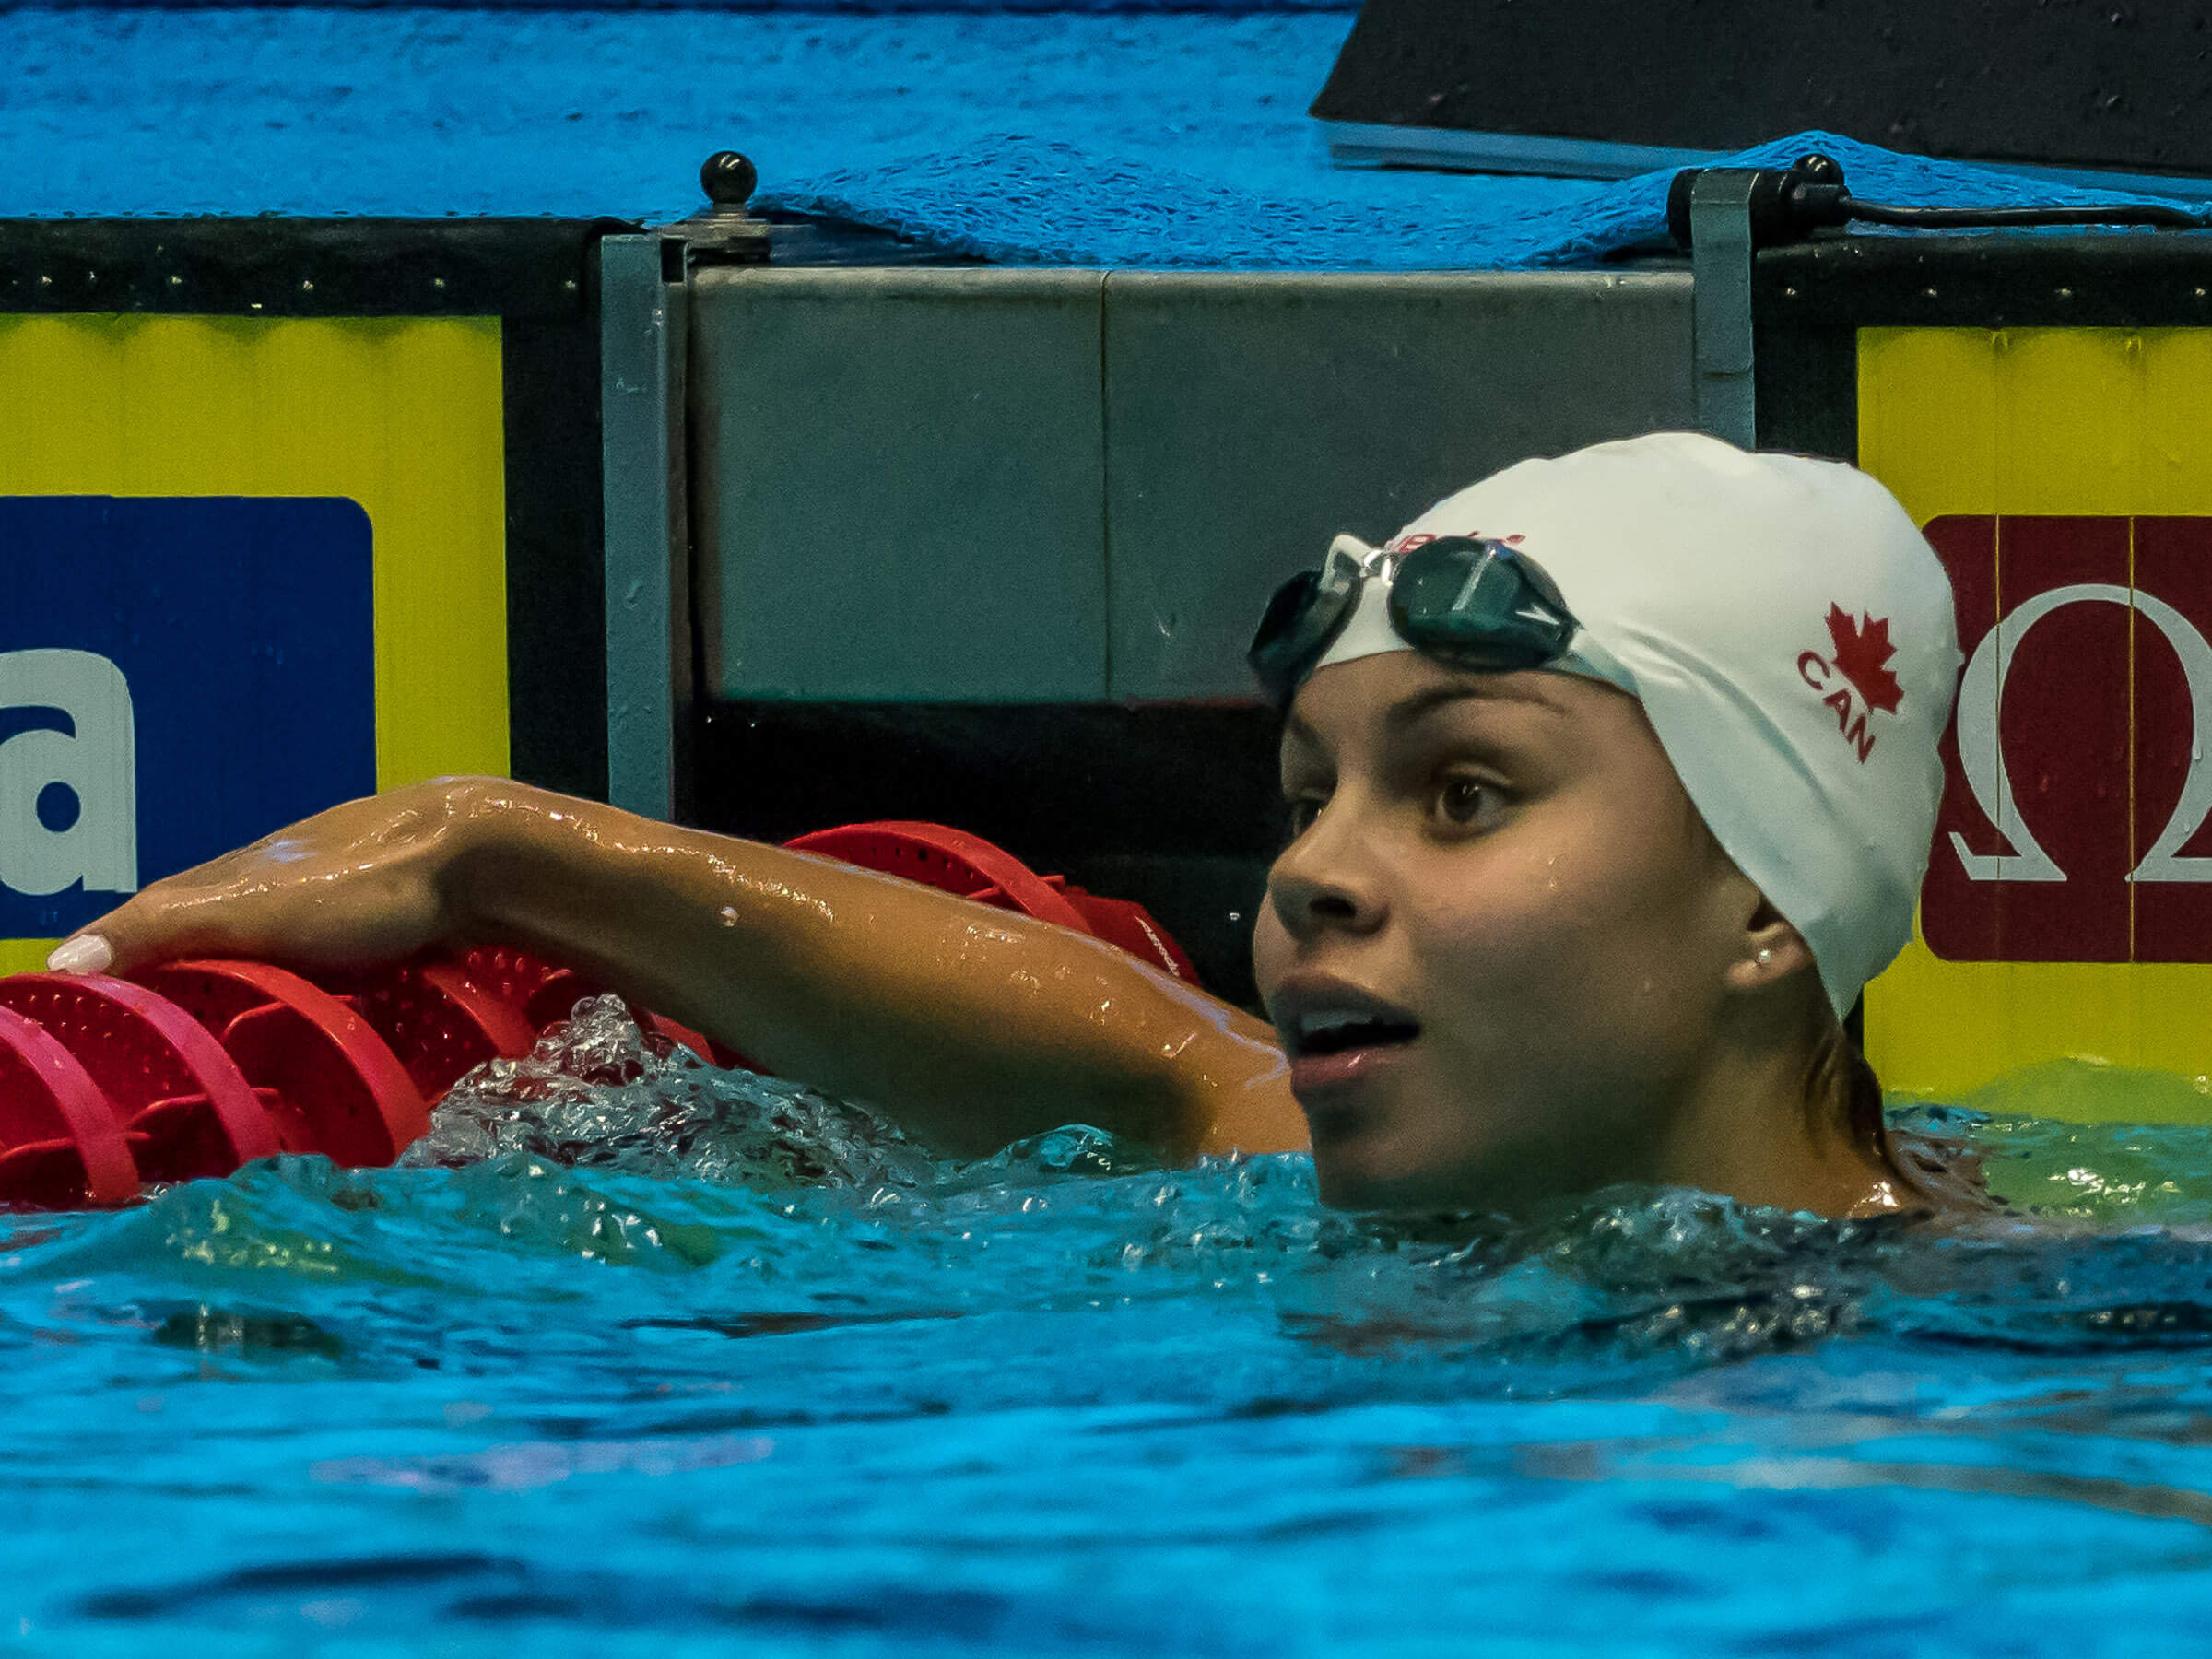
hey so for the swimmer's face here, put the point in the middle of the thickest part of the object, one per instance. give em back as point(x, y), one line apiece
point(1502, 872)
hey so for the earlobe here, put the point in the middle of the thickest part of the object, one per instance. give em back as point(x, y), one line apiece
point(1772, 951)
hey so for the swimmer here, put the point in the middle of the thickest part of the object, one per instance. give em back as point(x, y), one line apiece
point(1611, 781)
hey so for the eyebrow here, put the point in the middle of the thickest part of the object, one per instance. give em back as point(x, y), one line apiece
point(1412, 709)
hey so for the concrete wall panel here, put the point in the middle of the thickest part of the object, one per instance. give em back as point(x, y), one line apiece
point(997, 485)
point(900, 484)
point(1249, 418)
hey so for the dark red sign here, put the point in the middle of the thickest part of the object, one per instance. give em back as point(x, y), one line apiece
point(2078, 767)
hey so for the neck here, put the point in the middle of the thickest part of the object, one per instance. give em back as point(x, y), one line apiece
point(1761, 1120)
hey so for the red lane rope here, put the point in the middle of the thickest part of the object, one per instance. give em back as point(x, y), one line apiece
point(192, 1069)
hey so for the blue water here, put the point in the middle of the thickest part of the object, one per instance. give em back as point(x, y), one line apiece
point(699, 1363)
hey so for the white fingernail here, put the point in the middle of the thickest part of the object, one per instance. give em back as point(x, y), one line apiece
point(88, 953)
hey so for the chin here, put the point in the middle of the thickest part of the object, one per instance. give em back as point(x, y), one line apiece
point(1370, 1172)
point(1364, 1177)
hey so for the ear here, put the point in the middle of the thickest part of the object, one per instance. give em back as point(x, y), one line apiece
point(1771, 951)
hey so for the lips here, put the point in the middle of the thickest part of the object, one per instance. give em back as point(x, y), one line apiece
point(1338, 1035)
point(1344, 1032)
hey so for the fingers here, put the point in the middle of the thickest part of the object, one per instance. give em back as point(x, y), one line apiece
point(81, 953)
point(155, 926)
point(354, 884)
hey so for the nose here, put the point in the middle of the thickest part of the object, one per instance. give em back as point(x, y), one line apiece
point(1327, 879)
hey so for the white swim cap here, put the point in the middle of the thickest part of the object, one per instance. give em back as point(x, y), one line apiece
point(1790, 635)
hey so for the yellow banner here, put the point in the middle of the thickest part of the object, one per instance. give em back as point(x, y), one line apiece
point(402, 417)
point(2067, 476)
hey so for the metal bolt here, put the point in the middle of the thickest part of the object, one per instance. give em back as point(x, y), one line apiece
point(1814, 168)
point(725, 234)
point(728, 179)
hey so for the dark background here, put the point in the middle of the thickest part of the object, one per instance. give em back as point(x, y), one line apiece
point(2121, 83)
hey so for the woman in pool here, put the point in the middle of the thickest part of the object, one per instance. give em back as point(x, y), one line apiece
point(1611, 779)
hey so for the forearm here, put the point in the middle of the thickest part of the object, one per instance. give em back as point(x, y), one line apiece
point(974, 1026)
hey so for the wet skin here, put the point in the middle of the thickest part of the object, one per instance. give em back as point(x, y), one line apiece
point(971, 1026)
point(1507, 870)
point(1507, 862)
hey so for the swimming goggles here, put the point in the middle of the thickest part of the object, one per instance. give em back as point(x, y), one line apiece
point(1471, 603)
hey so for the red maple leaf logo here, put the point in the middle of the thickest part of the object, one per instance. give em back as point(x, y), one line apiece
point(1862, 648)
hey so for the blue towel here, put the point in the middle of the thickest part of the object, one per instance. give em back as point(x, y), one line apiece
point(422, 113)
point(1152, 139)
point(1023, 200)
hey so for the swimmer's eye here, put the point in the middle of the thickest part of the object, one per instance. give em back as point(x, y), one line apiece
point(1466, 802)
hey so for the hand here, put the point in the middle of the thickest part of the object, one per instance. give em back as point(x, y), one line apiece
point(364, 883)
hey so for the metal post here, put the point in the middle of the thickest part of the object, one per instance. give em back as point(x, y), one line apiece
point(643, 316)
point(1720, 224)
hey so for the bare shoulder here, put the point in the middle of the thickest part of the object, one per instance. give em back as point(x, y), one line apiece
point(1245, 1096)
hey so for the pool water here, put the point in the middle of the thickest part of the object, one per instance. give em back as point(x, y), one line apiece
point(644, 1358)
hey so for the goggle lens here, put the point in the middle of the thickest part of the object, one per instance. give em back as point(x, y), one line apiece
point(1301, 621)
point(1474, 603)
point(1480, 604)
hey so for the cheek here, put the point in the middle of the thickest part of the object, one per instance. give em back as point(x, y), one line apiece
point(1496, 922)
point(1587, 935)
point(1270, 950)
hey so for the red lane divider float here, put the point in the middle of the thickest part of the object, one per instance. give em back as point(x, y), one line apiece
point(63, 1146)
point(330, 1081)
point(184, 1105)
point(956, 861)
point(192, 1069)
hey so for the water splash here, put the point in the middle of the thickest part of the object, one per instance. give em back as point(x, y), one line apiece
point(735, 1203)
point(766, 1204)
point(598, 1093)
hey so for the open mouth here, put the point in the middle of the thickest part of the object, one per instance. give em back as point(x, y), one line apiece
point(1339, 1037)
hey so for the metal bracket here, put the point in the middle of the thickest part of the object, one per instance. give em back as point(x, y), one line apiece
point(1720, 222)
point(725, 234)
point(643, 324)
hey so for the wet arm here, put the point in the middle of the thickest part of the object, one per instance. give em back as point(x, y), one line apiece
point(974, 1026)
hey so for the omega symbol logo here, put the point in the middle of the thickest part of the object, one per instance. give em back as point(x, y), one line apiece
point(2076, 816)
point(1981, 752)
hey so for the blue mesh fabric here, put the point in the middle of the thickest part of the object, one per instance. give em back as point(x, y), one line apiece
point(416, 111)
point(827, 8)
point(1146, 140)
point(1024, 200)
